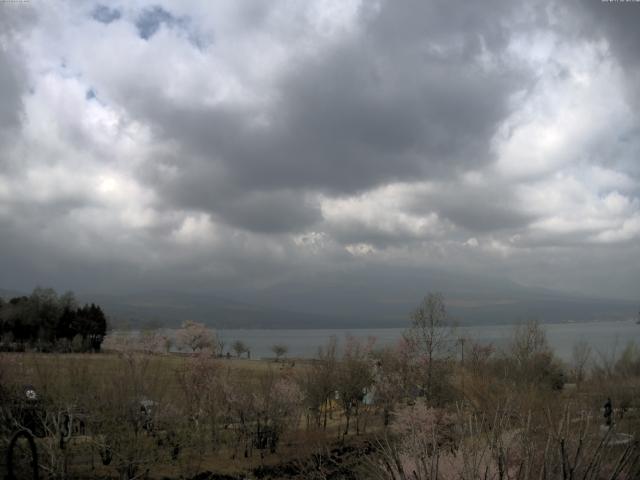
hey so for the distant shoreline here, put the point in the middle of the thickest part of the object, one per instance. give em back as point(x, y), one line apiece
point(120, 329)
point(603, 336)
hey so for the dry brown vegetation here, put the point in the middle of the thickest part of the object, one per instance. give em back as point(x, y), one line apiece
point(412, 411)
point(204, 413)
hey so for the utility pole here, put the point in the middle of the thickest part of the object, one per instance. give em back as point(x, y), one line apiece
point(461, 340)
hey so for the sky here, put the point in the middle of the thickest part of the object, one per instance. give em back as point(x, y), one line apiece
point(196, 145)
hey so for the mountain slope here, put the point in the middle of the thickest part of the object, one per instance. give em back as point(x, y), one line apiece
point(172, 308)
point(358, 298)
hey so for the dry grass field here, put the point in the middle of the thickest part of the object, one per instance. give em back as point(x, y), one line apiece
point(86, 384)
point(168, 416)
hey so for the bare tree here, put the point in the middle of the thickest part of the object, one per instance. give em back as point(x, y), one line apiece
point(580, 356)
point(532, 361)
point(128, 407)
point(277, 407)
point(279, 350)
point(395, 374)
point(318, 382)
point(431, 332)
point(239, 347)
point(220, 344)
point(529, 339)
point(198, 411)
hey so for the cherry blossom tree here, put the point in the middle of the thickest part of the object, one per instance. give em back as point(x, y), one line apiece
point(196, 337)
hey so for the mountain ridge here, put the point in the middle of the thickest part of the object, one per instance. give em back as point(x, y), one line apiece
point(370, 298)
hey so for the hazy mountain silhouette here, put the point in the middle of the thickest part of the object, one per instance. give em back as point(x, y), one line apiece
point(369, 297)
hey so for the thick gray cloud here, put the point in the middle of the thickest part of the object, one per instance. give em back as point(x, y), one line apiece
point(159, 143)
point(478, 210)
point(10, 89)
point(359, 114)
point(13, 81)
point(618, 23)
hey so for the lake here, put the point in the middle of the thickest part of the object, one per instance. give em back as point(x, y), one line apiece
point(605, 338)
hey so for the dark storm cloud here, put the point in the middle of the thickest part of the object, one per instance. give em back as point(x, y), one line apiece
point(357, 118)
point(617, 22)
point(460, 24)
point(479, 210)
point(156, 158)
point(377, 108)
point(485, 217)
point(261, 211)
point(270, 212)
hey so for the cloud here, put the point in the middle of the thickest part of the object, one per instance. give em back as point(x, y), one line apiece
point(15, 20)
point(10, 92)
point(151, 19)
point(615, 21)
point(105, 14)
point(235, 143)
point(380, 219)
point(337, 116)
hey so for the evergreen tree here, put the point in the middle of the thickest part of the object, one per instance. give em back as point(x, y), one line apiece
point(45, 318)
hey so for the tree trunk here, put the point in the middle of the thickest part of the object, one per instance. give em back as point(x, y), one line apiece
point(346, 430)
point(326, 407)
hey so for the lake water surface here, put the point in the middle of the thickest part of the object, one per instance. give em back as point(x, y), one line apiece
point(605, 338)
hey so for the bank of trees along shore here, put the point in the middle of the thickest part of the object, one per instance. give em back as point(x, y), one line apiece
point(45, 321)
